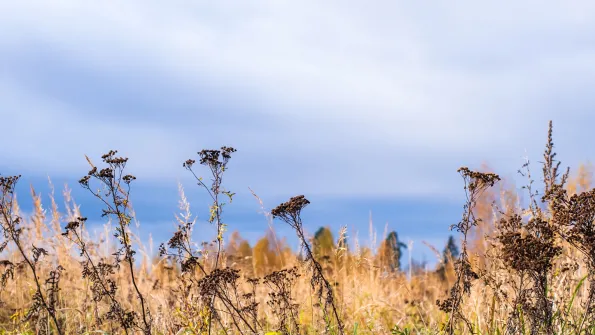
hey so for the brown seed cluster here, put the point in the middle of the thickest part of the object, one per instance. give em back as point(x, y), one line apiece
point(290, 211)
point(528, 246)
point(281, 300)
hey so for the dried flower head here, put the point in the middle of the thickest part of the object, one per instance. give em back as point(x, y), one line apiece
point(290, 211)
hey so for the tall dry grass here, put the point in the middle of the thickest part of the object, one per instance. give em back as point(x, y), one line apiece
point(500, 284)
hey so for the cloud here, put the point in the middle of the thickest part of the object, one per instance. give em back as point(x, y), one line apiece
point(336, 98)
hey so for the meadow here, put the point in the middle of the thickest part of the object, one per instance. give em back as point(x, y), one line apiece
point(523, 263)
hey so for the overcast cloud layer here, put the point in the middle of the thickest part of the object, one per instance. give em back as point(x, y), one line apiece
point(335, 97)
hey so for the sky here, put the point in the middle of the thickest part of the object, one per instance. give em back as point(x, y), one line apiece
point(362, 107)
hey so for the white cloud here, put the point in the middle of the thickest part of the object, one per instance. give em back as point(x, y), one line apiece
point(349, 97)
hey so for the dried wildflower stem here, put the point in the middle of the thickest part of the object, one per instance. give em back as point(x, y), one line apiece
point(216, 161)
point(475, 184)
point(281, 302)
point(290, 212)
point(181, 242)
point(12, 232)
point(112, 179)
point(574, 218)
point(96, 272)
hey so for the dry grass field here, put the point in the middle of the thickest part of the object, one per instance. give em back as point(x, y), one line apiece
point(523, 267)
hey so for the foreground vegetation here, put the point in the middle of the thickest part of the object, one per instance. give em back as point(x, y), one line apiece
point(520, 269)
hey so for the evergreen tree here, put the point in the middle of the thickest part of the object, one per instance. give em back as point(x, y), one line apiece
point(324, 243)
point(450, 252)
point(391, 252)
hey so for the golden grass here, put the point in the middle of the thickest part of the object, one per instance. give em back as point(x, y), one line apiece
point(367, 296)
point(370, 300)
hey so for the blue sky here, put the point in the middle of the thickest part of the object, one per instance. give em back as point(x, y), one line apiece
point(359, 106)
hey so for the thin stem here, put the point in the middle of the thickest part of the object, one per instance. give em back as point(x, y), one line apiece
point(10, 229)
